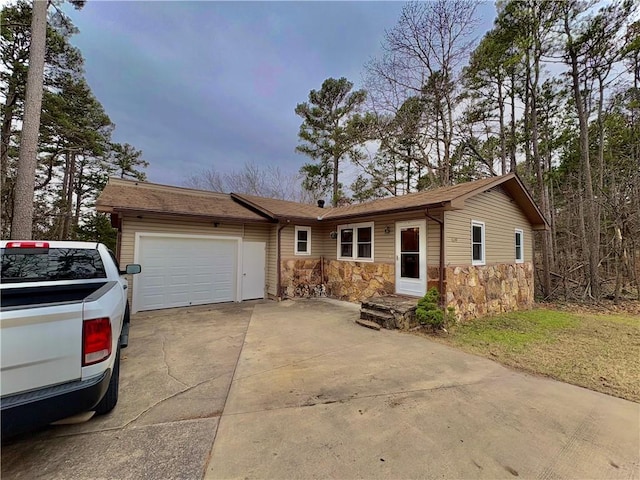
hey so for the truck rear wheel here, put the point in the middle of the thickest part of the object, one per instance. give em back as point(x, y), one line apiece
point(110, 398)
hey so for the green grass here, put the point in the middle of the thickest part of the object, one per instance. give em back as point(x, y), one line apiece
point(596, 351)
point(514, 331)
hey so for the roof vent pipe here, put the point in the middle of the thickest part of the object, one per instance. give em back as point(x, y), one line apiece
point(321, 203)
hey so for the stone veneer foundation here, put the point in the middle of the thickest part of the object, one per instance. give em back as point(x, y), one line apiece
point(351, 281)
point(472, 291)
point(475, 291)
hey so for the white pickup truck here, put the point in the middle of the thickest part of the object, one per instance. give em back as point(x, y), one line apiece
point(63, 321)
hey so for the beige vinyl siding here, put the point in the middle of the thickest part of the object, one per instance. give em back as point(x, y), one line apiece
point(132, 225)
point(501, 217)
point(433, 243)
point(288, 239)
point(272, 259)
point(178, 226)
point(256, 233)
point(328, 245)
point(385, 243)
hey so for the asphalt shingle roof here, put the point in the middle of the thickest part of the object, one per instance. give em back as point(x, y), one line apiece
point(281, 208)
point(133, 196)
point(428, 198)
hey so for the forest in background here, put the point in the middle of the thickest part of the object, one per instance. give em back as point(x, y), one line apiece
point(75, 152)
point(551, 92)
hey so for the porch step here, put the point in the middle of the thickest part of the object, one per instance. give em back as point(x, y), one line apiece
point(390, 311)
point(368, 324)
point(381, 318)
point(374, 307)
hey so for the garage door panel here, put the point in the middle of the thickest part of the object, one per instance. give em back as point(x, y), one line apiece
point(185, 271)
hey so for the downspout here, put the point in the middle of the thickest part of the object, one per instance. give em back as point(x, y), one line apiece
point(441, 268)
point(278, 265)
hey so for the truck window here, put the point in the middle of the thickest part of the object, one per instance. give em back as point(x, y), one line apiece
point(115, 260)
point(53, 264)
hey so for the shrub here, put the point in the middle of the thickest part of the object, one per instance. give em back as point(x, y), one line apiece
point(429, 312)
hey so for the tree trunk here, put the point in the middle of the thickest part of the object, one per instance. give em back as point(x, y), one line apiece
point(68, 201)
point(538, 161)
point(513, 141)
point(527, 117)
point(79, 194)
point(22, 227)
point(59, 230)
point(336, 164)
point(503, 140)
point(592, 225)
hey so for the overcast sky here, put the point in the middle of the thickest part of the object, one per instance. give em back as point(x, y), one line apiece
point(213, 85)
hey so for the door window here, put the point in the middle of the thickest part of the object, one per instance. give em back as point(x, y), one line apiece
point(410, 252)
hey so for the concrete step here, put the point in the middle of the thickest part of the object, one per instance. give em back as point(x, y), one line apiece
point(368, 324)
point(374, 306)
point(384, 319)
point(375, 315)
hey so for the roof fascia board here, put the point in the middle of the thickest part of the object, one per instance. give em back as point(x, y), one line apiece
point(416, 208)
point(164, 214)
point(483, 188)
point(506, 181)
point(532, 202)
point(253, 207)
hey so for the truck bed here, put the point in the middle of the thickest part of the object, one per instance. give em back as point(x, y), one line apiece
point(30, 296)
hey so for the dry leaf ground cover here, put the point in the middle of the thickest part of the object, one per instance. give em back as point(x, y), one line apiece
point(599, 351)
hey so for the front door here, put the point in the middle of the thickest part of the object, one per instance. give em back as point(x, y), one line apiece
point(411, 258)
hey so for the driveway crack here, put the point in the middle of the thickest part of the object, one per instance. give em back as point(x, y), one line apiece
point(166, 364)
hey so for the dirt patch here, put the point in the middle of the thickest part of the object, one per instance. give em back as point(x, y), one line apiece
point(599, 351)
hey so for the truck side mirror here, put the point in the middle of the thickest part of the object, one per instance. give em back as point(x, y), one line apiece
point(133, 269)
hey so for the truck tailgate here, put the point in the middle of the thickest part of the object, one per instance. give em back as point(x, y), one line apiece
point(40, 349)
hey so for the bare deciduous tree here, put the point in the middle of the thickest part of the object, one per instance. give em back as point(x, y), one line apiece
point(423, 57)
point(253, 179)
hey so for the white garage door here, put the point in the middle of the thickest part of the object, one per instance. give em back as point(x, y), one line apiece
point(178, 272)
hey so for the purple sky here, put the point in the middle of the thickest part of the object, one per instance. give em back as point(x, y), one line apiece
point(214, 85)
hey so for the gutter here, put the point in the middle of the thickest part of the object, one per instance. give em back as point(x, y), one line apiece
point(338, 217)
point(278, 263)
point(441, 268)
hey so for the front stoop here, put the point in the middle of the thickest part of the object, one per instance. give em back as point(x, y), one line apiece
point(368, 324)
point(390, 312)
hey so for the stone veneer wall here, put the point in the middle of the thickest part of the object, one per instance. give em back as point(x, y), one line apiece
point(356, 281)
point(352, 281)
point(302, 278)
point(472, 291)
point(475, 291)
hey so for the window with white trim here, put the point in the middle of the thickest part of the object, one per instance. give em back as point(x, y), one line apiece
point(477, 243)
point(355, 242)
point(519, 242)
point(303, 241)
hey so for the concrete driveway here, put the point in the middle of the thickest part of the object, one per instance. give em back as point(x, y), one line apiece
point(297, 390)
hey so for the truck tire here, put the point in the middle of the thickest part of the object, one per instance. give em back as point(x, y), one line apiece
point(110, 398)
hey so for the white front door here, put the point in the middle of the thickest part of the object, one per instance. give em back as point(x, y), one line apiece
point(253, 270)
point(411, 258)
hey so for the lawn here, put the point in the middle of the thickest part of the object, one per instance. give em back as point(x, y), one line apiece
point(594, 350)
